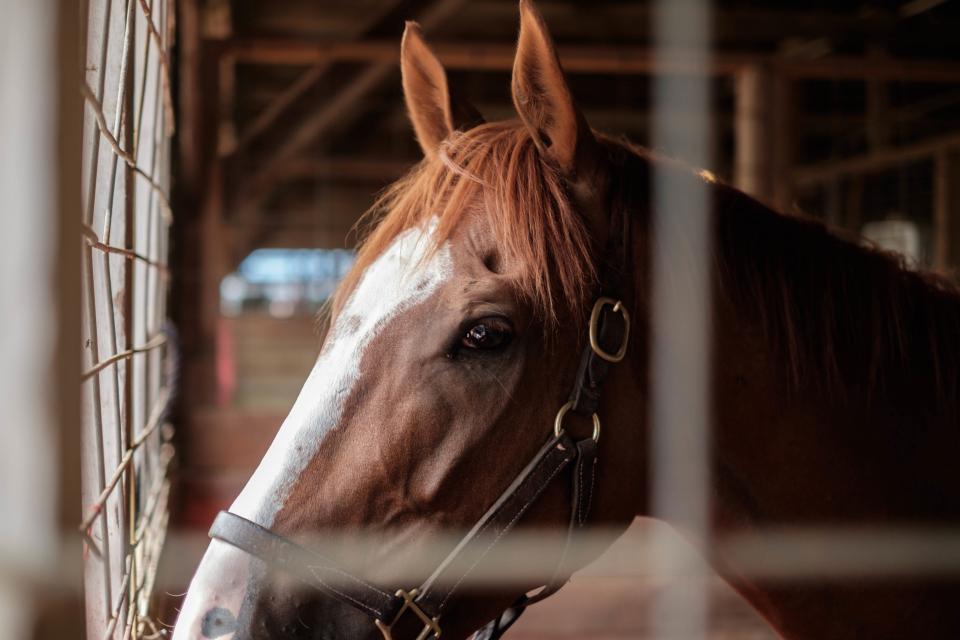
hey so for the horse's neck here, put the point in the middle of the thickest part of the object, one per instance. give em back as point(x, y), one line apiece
point(784, 457)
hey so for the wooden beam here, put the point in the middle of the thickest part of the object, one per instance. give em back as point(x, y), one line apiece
point(612, 59)
point(871, 162)
point(633, 21)
point(459, 55)
point(347, 98)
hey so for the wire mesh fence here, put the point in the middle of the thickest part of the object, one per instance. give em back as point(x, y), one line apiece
point(126, 379)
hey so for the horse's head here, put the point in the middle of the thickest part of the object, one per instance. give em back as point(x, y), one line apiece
point(451, 346)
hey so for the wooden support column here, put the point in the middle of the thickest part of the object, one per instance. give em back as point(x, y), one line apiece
point(852, 217)
point(946, 213)
point(198, 225)
point(764, 134)
point(752, 127)
point(783, 142)
point(190, 96)
point(878, 106)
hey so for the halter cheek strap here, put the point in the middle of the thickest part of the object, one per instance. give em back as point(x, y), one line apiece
point(608, 339)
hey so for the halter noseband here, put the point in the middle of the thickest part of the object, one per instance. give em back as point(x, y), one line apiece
point(609, 325)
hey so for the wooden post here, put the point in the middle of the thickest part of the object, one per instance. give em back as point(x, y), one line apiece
point(852, 216)
point(946, 213)
point(752, 131)
point(190, 138)
point(199, 220)
point(878, 127)
point(833, 204)
point(783, 142)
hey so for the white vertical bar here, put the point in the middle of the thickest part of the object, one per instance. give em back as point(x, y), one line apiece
point(29, 533)
point(681, 312)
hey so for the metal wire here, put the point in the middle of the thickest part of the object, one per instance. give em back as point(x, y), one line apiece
point(94, 241)
point(154, 343)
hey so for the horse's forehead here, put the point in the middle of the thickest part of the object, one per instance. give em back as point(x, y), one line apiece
point(409, 265)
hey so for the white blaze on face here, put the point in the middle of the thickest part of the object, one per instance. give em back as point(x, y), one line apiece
point(396, 281)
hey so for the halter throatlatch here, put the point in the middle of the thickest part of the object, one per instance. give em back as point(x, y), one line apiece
point(608, 340)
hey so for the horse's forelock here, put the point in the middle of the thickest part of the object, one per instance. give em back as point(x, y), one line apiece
point(493, 170)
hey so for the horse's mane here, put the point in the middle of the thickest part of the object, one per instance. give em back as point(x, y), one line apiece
point(848, 319)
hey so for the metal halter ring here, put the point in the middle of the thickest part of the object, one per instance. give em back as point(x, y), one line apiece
point(595, 328)
point(558, 422)
point(431, 628)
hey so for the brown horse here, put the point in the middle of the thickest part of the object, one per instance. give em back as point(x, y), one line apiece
point(455, 339)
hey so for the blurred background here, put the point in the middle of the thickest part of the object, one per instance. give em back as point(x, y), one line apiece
point(180, 180)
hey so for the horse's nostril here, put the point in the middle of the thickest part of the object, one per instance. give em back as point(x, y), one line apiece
point(217, 622)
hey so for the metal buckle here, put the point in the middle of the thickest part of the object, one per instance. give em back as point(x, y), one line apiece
point(595, 328)
point(558, 422)
point(431, 625)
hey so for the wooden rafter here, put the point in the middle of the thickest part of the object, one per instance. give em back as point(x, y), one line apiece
point(876, 161)
point(274, 111)
point(320, 122)
point(613, 59)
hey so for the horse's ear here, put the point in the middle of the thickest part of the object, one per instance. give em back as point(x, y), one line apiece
point(542, 98)
point(434, 110)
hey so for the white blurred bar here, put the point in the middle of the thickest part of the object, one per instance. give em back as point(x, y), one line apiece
point(29, 534)
point(680, 366)
point(790, 555)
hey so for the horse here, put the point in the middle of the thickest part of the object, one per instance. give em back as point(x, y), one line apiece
point(471, 312)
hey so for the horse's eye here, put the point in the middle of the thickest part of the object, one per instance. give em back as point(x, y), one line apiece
point(487, 334)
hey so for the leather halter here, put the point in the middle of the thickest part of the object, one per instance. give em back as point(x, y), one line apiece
point(609, 325)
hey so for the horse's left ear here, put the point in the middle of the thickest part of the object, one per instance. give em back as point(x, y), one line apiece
point(434, 110)
point(543, 100)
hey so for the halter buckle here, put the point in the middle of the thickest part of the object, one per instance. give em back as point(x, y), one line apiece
point(431, 625)
point(595, 329)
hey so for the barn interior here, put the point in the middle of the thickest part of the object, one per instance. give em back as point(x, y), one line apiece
point(291, 120)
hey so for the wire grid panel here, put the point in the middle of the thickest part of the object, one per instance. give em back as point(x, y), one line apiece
point(126, 381)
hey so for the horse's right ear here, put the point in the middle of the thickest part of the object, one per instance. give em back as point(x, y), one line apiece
point(434, 111)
